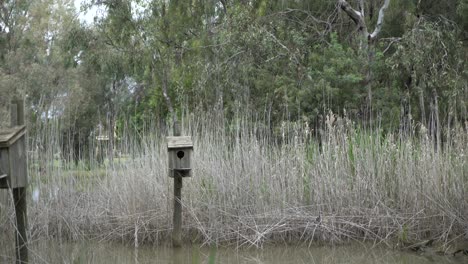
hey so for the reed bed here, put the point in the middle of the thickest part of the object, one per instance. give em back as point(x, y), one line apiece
point(251, 186)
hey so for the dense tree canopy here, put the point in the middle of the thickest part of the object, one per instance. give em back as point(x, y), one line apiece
point(401, 62)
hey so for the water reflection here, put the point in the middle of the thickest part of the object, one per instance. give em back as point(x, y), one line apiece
point(93, 252)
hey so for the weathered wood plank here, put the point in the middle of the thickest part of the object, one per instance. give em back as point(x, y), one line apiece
point(179, 142)
point(18, 164)
point(19, 197)
point(19, 185)
point(9, 136)
point(180, 163)
point(3, 199)
point(177, 214)
point(5, 168)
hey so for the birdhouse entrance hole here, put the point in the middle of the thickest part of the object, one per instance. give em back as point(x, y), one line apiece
point(180, 154)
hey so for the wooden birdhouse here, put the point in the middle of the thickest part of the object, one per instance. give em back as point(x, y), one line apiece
point(180, 155)
point(13, 165)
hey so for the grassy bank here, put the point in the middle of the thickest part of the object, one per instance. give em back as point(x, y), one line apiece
point(249, 187)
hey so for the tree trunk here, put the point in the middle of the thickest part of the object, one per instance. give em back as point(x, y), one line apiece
point(370, 61)
point(367, 41)
point(111, 124)
point(421, 107)
point(165, 85)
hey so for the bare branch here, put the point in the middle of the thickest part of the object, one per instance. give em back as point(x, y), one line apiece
point(378, 27)
point(223, 2)
point(356, 16)
point(392, 41)
point(291, 54)
point(309, 15)
point(351, 12)
point(361, 7)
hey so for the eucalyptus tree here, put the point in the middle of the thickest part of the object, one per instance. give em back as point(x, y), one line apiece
point(101, 56)
point(15, 17)
point(433, 63)
point(409, 31)
point(368, 37)
point(31, 59)
point(157, 40)
point(286, 59)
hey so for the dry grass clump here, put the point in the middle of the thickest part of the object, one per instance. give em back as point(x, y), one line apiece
point(249, 187)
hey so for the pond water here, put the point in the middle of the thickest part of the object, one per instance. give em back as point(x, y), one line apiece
point(93, 252)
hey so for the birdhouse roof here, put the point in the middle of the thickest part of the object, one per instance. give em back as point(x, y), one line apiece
point(8, 136)
point(179, 142)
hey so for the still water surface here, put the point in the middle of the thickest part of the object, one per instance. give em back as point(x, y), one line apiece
point(92, 252)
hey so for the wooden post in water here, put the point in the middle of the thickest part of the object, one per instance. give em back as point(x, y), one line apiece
point(177, 216)
point(179, 156)
point(19, 194)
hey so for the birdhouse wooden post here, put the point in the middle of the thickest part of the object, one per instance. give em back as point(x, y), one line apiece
point(180, 165)
point(180, 155)
point(13, 168)
point(14, 173)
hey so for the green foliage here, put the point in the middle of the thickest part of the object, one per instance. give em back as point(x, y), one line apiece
point(285, 60)
point(335, 80)
point(212, 256)
point(462, 18)
point(429, 62)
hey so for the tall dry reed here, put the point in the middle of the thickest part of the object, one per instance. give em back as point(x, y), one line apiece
point(250, 187)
